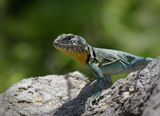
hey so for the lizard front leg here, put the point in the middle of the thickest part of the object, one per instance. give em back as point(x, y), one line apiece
point(103, 75)
point(101, 80)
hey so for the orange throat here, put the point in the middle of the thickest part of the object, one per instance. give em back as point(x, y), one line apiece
point(82, 57)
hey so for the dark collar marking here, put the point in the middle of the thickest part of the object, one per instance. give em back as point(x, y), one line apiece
point(92, 54)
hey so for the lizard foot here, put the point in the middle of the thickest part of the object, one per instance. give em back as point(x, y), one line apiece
point(94, 99)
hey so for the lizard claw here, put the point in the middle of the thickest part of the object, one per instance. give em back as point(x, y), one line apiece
point(94, 99)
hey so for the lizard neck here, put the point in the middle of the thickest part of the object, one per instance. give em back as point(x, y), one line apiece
point(82, 57)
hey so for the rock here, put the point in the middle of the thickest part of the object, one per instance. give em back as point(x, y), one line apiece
point(67, 95)
point(152, 107)
point(40, 96)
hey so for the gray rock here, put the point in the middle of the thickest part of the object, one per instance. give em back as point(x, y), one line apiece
point(67, 95)
point(40, 96)
point(152, 107)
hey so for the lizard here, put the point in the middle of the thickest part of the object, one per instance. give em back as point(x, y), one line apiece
point(103, 62)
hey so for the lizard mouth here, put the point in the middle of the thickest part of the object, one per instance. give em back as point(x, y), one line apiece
point(68, 48)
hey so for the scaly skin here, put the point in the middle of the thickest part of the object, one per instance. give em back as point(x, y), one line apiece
point(103, 62)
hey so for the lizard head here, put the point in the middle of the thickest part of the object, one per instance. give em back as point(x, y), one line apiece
point(73, 45)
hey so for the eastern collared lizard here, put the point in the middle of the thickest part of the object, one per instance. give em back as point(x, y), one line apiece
point(103, 62)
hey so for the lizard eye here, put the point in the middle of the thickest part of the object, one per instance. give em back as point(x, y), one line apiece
point(68, 38)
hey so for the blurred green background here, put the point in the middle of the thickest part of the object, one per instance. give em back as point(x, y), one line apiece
point(28, 28)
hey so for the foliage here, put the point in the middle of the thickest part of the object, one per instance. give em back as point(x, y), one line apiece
point(28, 28)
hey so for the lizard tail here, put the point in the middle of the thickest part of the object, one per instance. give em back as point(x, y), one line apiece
point(148, 59)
